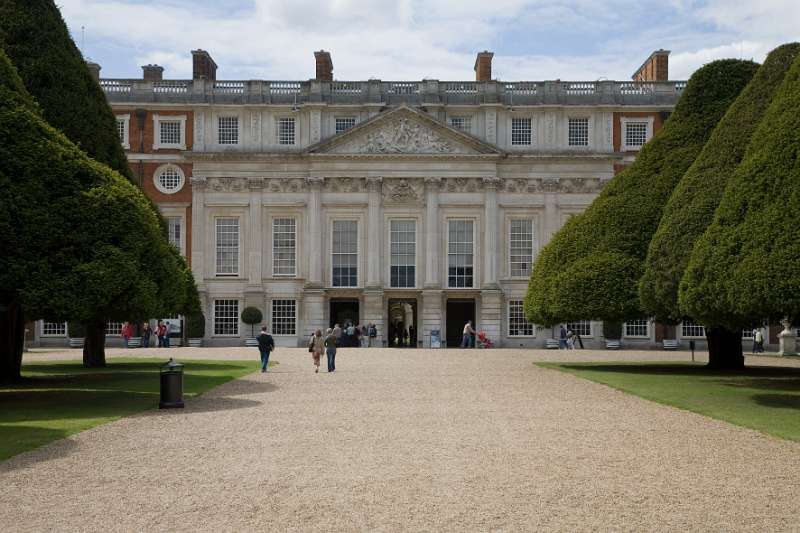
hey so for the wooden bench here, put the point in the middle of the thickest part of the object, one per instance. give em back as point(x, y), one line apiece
point(670, 344)
point(613, 345)
point(551, 344)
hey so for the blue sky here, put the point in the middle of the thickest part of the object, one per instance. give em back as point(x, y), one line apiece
point(415, 39)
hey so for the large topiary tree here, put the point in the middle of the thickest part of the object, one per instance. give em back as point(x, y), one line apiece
point(746, 266)
point(592, 266)
point(691, 207)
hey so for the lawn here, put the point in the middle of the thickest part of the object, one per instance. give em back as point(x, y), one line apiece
point(61, 398)
point(766, 399)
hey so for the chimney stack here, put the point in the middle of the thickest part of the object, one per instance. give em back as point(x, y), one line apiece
point(203, 67)
point(483, 66)
point(94, 70)
point(324, 66)
point(152, 73)
point(655, 68)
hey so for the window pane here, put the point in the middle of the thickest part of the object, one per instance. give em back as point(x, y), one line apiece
point(227, 246)
point(344, 123)
point(636, 328)
point(521, 247)
point(286, 131)
point(581, 327)
point(226, 317)
point(345, 253)
point(174, 231)
point(461, 123)
point(54, 329)
point(690, 329)
point(284, 246)
point(121, 130)
point(170, 131)
point(402, 237)
point(228, 130)
point(635, 133)
point(284, 317)
point(579, 132)
point(520, 131)
point(460, 253)
point(518, 326)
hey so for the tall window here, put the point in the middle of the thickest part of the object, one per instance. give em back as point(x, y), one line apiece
point(284, 246)
point(227, 246)
point(578, 132)
point(114, 328)
point(521, 131)
point(460, 253)
point(344, 123)
point(402, 241)
point(122, 130)
point(637, 328)
point(174, 231)
point(345, 253)
point(54, 329)
point(521, 247)
point(518, 326)
point(461, 123)
point(226, 317)
point(581, 327)
point(284, 317)
point(170, 132)
point(286, 131)
point(228, 130)
point(635, 134)
point(691, 329)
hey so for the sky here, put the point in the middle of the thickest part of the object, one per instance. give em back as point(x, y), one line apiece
point(425, 39)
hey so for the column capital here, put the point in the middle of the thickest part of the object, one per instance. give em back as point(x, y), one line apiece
point(255, 183)
point(433, 183)
point(491, 182)
point(374, 183)
point(198, 182)
point(315, 182)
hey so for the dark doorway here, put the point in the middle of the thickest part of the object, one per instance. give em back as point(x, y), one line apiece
point(402, 328)
point(458, 312)
point(344, 312)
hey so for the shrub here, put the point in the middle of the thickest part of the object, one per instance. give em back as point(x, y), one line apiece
point(251, 316)
point(612, 329)
point(196, 328)
point(75, 330)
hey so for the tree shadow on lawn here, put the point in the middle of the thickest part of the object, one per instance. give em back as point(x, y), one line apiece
point(30, 438)
point(762, 374)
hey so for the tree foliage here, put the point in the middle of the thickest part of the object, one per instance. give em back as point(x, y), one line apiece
point(37, 41)
point(746, 266)
point(592, 266)
point(691, 207)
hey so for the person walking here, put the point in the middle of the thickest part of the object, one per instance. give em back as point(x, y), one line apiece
point(316, 346)
point(467, 341)
point(126, 333)
point(562, 338)
point(570, 339)
point(337, 332)
point(372, 332)
point(146, 332)
point(758, 341)
point(265, 345)
point(412, 336)
point(160, 333)
point(167, 331)
point(330, 350)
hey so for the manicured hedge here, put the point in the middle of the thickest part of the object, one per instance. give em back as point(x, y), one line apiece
point(746, 266)
point(592, 266)
point(691, 207)
point(36, 39)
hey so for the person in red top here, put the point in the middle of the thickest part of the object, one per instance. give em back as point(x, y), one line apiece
point(126, 333)
point(161, 332)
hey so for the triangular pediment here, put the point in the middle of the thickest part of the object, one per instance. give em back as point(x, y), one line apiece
point(400, 131)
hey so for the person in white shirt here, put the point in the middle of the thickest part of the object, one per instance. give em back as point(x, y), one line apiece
point(468, 340)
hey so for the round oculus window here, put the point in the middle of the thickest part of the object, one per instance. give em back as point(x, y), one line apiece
point(169, 179)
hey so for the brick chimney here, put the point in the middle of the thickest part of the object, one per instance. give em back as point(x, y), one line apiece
point(94, 70)
point(324, 66)
point(152, 73)
point(203, 66)
point(483, 66)
point(655, 68)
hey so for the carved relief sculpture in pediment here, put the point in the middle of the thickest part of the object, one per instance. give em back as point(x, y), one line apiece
point(403, 191)
point(402, 136)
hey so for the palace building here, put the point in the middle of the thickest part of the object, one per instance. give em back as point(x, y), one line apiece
point(408, 204)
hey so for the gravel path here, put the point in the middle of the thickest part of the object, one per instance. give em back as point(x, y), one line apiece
point(408, 440)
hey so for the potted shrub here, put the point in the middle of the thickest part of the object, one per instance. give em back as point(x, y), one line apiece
point(251, 316)
point(196, 330)
point(76, 333)
point(612, 331)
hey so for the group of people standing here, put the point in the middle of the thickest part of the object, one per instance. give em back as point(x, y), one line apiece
point(162, 332)
point(351, 335)
point(567, 339)
point(399, 335)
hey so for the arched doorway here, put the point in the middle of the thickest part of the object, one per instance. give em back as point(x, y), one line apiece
point(402, 323)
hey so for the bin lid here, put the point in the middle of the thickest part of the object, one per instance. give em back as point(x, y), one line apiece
point(172, 366)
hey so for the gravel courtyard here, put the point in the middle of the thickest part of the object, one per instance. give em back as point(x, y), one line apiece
point(444, 440)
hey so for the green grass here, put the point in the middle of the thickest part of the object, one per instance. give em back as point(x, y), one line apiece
point(61, 398)
point(766, 399)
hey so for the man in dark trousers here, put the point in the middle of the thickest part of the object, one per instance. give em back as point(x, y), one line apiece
point(265, 346)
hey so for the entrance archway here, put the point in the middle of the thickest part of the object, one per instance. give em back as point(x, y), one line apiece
point(402, 327)
point(343, 311)
point(458, 312)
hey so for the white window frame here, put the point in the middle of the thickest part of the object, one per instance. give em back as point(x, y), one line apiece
point(274, 329)
point(275, 272)
point(692, 325)
point(515, 302)
point(533, 245)
point(623, 125)
point(157, 119)
point(223, 116)
point(162, 169)
point(336, 120)
point(631, 336)
point(475, 230)
point(43, 327)
point(589, 322)
point(358, 251)
point(467, 123)
point(217, 273)
point(126, 125)
point(511, 132)
point(278, 131)
point(415, 264)
point(113, 329)
point(588, 120)
point(238, 317)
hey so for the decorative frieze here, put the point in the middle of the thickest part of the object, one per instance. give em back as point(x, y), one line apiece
point(289, 185)
point(199, 182)
point(228, 184)
point(555, 185)
point(403, 191)
point(349, 185)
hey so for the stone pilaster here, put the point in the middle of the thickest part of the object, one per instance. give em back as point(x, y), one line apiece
point(432, 186)
point(431, 316)
point(256, 243)
point(314, 245)
point(374, 312)
point(491, 315)
point(199, 184)
point(490, 235)
point(551, 222)
point(313, 313)
point(374, 231)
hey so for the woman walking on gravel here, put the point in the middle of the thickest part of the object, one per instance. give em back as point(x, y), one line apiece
point(330, 350)
point(316, 347)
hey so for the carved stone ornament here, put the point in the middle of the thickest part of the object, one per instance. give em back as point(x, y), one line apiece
point(228, 184)
point(349, 185)
point(463, 184)
point(286, 185)
point(199, 182)
point(401, 136)
point(403, 191)
point(560, 185)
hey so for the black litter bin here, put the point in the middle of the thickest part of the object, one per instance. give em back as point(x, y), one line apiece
point(171, 385)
